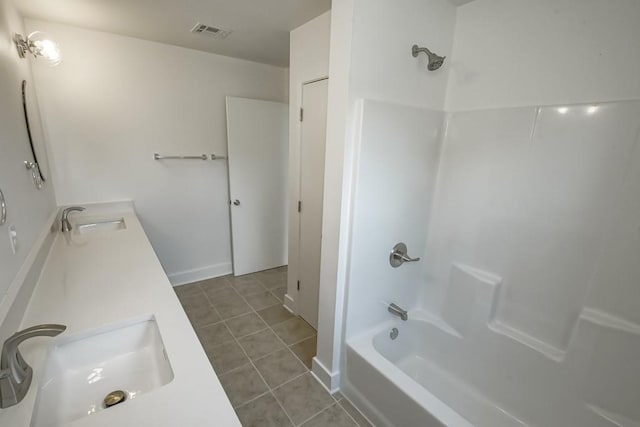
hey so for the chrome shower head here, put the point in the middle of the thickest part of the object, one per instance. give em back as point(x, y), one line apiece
point(435, 61)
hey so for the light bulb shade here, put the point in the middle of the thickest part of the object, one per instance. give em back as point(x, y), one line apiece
point(41, 44)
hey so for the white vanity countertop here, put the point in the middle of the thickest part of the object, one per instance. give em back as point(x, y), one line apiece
point(106, 278)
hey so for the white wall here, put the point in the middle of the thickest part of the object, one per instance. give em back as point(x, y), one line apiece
point(511, 53)
point(27, 208)
point(373, 60)
point(333, 262)
point(309, 60)
point(382, 67)
point(114, 101)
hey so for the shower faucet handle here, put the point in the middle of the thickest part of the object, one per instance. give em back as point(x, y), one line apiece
point(399, 256)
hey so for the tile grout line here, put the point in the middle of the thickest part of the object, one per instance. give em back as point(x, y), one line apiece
point(282, 406)
point(258, 371)
point(270, 327)
point(352, 418)
point(286, 346)
point(307, 371)
point(253, 399)
point(318, 413)
point(269, 389)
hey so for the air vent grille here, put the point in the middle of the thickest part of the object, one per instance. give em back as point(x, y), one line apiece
point(208, 30)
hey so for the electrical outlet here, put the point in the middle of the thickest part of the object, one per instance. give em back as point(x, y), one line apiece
point(13, 238)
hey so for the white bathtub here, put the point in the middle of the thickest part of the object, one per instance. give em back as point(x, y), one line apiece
point(431, 376)
point(400, 386)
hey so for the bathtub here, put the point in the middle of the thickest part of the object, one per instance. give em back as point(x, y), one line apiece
point(396, 383)
point(434, 375)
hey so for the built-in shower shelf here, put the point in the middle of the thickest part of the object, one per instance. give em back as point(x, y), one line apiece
point(615, 420)
point(598, 361)
point(553, 353)
point(474, 294)
point(608, 320)
point(469, 289)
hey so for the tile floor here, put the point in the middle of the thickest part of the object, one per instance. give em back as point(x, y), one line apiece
point(262, 353)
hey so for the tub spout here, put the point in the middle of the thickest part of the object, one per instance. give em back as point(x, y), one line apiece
point(397, 311)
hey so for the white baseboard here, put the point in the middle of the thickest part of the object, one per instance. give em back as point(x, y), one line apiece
point(290, 304)
point(330, 380)
point(197, 274)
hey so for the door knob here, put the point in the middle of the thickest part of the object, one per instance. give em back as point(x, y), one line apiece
point(236, 202)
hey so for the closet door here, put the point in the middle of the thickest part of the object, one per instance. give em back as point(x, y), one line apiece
point(312, 153)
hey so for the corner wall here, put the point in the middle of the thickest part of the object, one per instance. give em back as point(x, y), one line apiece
point(510, 53)
point(309, 60)
point(114, 101)
point(28, 209)
point(370, 59)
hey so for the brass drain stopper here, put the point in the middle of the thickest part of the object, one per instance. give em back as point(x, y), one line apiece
point(114, 398)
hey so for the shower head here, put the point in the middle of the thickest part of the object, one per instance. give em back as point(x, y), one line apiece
point(435, 61)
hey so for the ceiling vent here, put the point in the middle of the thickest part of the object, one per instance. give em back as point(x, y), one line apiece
point(213, 32)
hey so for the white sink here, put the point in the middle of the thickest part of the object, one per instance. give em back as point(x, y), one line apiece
point(101, 225)
point(81, 370)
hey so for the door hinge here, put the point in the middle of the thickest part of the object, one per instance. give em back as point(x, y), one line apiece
point(301, 114)
point(298, 284)
point(299, 206)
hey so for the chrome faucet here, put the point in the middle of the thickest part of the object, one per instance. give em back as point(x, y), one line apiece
point(66, 225)
point(15, 373)
point(397, 311)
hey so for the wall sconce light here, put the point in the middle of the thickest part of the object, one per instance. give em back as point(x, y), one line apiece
point(39, 44)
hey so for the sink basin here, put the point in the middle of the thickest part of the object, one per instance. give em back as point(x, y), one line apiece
point(80, 371)
point(101, 225)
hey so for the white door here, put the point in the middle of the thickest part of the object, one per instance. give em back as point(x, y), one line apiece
point(258, 167)
point(312, 151)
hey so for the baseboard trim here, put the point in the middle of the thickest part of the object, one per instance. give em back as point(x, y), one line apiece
point(197, 274)
point(330, 380)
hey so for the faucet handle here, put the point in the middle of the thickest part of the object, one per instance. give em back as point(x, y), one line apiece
point(399, 256)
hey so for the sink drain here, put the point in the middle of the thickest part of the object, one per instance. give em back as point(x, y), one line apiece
point(114, 398)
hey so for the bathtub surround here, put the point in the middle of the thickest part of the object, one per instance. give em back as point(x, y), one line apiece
point(114, 101)
point(529, 194)
point(398, 151)
point(530, 265)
